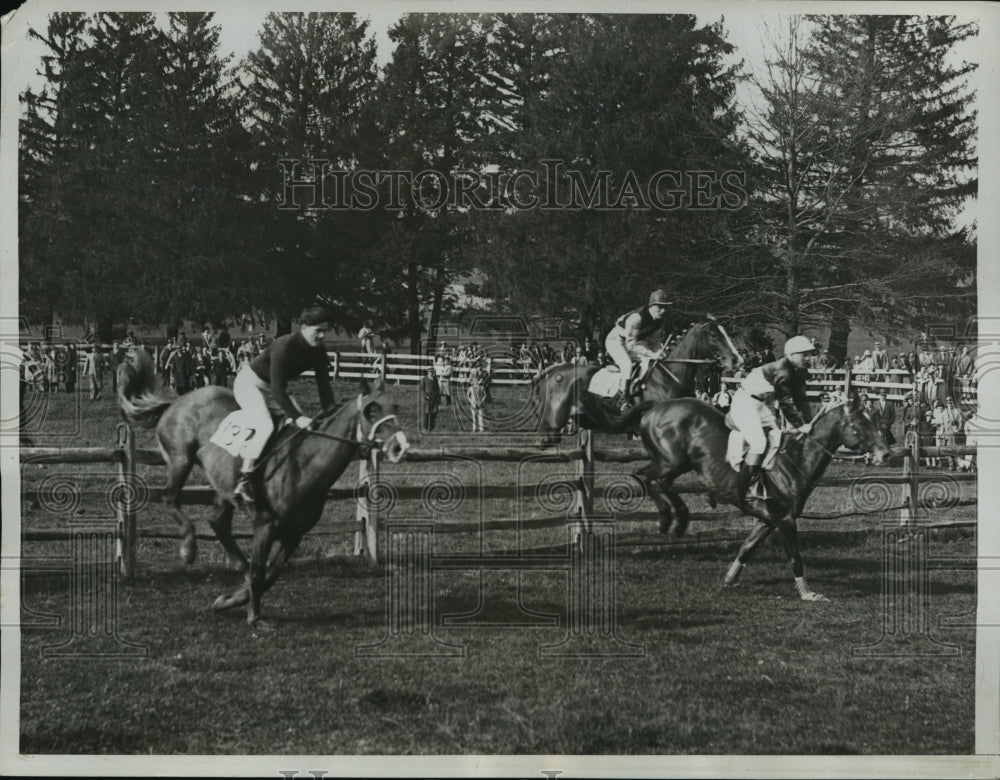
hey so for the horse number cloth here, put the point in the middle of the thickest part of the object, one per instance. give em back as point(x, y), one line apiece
point(234, 433)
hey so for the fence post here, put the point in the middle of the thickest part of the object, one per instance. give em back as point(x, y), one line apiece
point(368, 515)
point(336, 366)
point(585, 473)
point(125, 505)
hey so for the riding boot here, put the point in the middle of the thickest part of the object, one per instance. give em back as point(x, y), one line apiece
point(748, 476)
point(244, 486)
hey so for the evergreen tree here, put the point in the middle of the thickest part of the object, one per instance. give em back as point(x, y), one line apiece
point(865, 151)
point(306, 91)
point(615, 99)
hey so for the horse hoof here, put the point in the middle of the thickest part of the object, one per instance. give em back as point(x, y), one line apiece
point(814, 597)
point(680, 527)
point(261, 626)
point(230, 600)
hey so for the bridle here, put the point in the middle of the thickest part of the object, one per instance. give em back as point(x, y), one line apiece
point(848, 417)
point(367, 443)
point(662, 357)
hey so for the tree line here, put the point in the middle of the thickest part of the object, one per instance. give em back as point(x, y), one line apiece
point(150, 183)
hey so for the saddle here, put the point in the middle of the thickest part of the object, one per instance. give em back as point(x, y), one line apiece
point(605, 382)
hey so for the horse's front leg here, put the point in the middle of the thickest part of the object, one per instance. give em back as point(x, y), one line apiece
point(758, 534)
point(263, 537)
point(788, 531)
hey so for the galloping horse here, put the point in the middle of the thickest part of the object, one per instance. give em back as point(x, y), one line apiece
point(564, 393)
point(301, 467)
point(689, 435)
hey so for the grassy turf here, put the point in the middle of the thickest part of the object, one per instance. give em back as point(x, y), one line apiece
point(749, 670)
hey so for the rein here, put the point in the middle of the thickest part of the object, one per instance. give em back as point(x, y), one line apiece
point(365, 444)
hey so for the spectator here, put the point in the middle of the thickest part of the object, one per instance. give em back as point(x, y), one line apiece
point(884, 417)
point(476, 396)
point(927, 432)
point(579, 358)
point(431, 392)
point(965, 366)
point(182, 372)
point(589, 350)
point(443, 371)
point(487, 379)
point(208, 337)
point(93, 369)
point(880, 360)
point(969, 428)
point(164, 361)
point(948, 422)
point(72, 366)
point(366, 337)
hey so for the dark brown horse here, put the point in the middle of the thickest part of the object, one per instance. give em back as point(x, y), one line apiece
point(688, 435)
point(293, 479)
point(563, 387)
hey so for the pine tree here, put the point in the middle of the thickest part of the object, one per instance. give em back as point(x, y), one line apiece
point(307, 87)
point(865, 151)
point(46, 141)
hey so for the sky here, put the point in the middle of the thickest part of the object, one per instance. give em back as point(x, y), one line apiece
point(746, 25)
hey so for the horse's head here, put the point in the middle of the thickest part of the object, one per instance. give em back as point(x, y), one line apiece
point(709, 339)
point(855, 429)
point(377, 423)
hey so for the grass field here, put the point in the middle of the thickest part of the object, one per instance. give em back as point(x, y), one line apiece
point(747, 670)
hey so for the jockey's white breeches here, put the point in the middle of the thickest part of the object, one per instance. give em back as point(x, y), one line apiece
point(752, 417)
point(615, 346)
point(254, 396)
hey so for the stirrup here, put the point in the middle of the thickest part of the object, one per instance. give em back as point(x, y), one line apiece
point(243, 491)
point(756, 491)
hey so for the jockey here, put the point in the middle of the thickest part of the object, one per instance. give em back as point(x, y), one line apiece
point(629, 340)
point(784, 382)
point(261, 386)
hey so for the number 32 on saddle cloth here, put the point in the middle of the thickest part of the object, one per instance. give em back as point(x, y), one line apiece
point(738, 447)
point(237, 429)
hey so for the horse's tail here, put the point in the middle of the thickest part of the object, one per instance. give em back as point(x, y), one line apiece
point(136, 379)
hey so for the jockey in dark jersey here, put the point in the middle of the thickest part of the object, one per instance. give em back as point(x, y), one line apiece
point(637, 335)
point(782, 382)
point(261, 386)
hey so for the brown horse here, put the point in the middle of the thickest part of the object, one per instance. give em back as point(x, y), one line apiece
point(689, 435)
point(563, 387)
point(293, 479)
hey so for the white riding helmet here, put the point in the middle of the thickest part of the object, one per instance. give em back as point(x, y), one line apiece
point(798, 344)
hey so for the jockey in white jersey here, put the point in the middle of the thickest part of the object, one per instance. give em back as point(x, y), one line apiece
point(784, 382)
point(637, 336)
point(261, 386)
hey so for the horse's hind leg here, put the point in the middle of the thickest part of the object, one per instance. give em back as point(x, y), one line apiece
point(683, 515)
point(222, 524)
point(178, 469)
point(758, 534)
